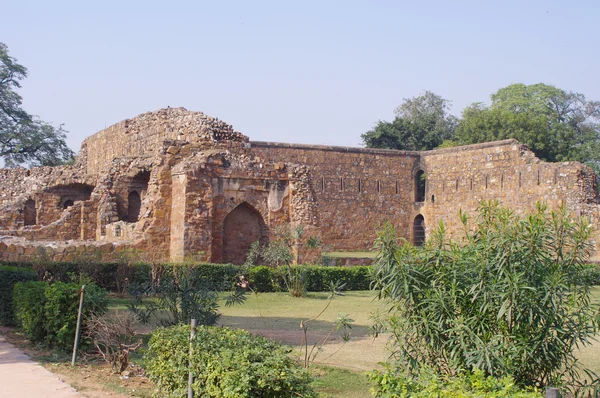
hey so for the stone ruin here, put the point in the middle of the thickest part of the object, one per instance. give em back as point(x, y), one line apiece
point(175, 184)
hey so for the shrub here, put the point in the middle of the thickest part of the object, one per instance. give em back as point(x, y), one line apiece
point(394, 383)
point(114, 337)
point(264, 279)
point(319, 278)
point(61, 307)
point(48, 312)
point(9, 276)
point(507, 300)
point(225, 362)
point(181, 296)
point(29, 299)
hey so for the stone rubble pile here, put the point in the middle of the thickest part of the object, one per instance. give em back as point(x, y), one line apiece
point(189, 126)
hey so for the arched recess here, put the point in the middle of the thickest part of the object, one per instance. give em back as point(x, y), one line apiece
point(420, 185)
point(134, 205)
point(68, 203)
point(243, 226)
point(419, 231)
point(30, 213)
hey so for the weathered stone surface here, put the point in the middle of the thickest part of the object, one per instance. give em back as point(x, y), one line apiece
point(174, 184)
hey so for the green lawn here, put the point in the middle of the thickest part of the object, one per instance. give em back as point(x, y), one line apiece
point(339, 367)
point(350, 254)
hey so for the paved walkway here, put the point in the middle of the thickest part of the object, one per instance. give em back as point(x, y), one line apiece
point(21, 377)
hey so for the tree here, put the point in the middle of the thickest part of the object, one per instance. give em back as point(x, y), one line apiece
point(421, 123)
point(509, 299)
point(25, 139)
point(555, 124)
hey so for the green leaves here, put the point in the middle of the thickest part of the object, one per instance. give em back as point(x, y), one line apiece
point(23, 137)
point(509, 301)
point(225, 362)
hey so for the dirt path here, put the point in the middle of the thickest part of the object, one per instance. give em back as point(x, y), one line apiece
point(21, 377)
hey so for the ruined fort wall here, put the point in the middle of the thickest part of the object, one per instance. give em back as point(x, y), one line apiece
point(459, 178)
point(146, 133)
point(356, 190)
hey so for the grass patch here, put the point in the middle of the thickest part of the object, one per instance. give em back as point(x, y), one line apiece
point(350, 254)
point(336, 382)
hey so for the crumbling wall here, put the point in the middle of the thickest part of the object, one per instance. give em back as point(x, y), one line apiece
point(146, 133)
point(460, 178)
point(353, 191)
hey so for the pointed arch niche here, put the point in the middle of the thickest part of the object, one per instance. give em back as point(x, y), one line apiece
point(243, 226)
point(419, 231)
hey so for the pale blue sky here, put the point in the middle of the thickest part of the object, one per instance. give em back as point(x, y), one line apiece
point(305, 72)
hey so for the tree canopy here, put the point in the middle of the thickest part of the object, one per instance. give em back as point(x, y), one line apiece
point(557, 125)
point(421, 123)
point(24, 138)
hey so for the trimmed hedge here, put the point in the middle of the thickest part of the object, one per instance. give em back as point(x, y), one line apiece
point(219, 277)
point(9, 276)
point(48, 312)
point(226, 363)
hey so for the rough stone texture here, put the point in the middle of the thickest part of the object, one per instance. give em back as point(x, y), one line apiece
point(177, 184)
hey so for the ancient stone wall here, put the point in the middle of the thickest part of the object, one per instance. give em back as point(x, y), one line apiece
point(355, 190)
point(146, 133)
point(175, 185)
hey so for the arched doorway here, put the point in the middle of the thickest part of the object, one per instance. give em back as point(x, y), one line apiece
point(134, 204)
point(30, 213)
point(420, 184)
point(419, 231)
point(242, 227)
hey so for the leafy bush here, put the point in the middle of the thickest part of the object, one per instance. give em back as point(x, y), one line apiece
point(121, 277)
point(225, 362)
point(590, 275)
point(29, 299)
point(318, 278)
point(394, 383)
point(9, 276)
point(181, 296)
point(48, 312)
point(507, 300)
point(264, 279)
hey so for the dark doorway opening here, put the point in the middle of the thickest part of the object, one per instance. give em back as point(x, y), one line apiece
point(419, 231)
point(30, 213)
point(134, 205)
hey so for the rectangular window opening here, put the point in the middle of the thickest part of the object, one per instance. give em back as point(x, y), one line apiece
point(341, 184)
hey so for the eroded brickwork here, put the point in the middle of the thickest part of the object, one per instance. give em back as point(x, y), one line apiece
point(175, 184)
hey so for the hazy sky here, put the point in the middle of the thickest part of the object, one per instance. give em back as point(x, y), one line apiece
point(305, 71)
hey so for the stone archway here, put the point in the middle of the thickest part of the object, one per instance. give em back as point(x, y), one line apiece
point(243, 226)
point(419, 231)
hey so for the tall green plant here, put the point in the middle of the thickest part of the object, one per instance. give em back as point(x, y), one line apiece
point(507, 299)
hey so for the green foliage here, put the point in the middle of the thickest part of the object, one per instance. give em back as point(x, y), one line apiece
point(29, 299)
point(225, 362)
point(590, 275)
point(394, 383)
point(264, 279)
point(9, 276)
point(319, 279)
point(48, 312)
point(182, 295)
point(421, 123)
point(143, 279)
point(23, 137)
point(506, 299)
point(555, 124)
